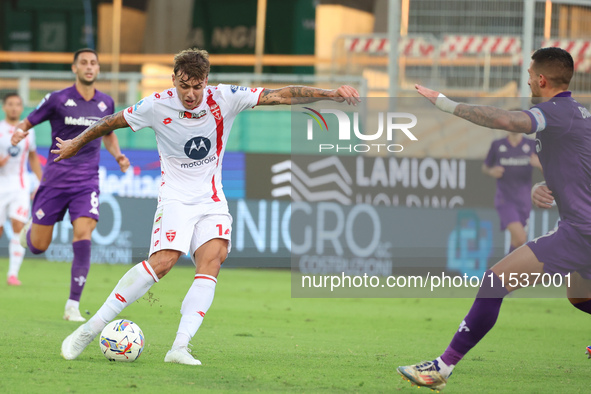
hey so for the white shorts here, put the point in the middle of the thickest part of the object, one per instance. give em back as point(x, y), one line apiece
point(14, 205)
point(185, 227)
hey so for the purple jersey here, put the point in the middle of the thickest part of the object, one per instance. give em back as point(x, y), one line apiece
point(563, 144)
point(69, 115)
point(515, 184)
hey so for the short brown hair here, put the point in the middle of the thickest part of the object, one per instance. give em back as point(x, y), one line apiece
point(9, 95)
point(555, 64)
point(83, 50)
point(194, 63)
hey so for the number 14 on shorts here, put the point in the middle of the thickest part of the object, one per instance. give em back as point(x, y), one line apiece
point(222, 231)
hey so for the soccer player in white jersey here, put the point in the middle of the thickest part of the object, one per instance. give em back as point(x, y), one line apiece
point(15, 197)
point(192, 122)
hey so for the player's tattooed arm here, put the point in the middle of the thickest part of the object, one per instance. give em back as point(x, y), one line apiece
point(482, 115)
point(68, 148)
point(290, 95)
point(494, 118)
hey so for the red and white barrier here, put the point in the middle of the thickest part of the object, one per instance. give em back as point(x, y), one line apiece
point(452, 46)
point(409, 46)
point(580, 50)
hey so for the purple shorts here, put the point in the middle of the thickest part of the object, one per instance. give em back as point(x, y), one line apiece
point(564, 250)
point(511, 212)
point(50, 204)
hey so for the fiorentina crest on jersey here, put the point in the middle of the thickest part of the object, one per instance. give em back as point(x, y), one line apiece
point(170, 235)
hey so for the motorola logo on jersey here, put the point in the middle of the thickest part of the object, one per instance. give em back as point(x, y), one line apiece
point(197, 148)
point(13, 151)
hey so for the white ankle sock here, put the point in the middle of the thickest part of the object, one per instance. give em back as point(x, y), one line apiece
point(16, 253)
point(444, 369)
point(72, 303)
point(131, 287)
point(195, 305)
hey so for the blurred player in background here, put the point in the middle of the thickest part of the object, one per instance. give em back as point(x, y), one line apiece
point(510, 161)
point(72, 185)
point(15, 199)
point(192, 122)
point(563, 143)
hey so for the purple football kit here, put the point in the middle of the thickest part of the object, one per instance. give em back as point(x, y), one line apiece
point(563, 144)
point(512, 199)
point(72, 184)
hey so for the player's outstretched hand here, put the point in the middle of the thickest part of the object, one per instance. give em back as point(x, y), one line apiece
point(428, 93)
point(346, 93)
point(123, 162)
point(18, 136)
point(64, 150)
point(541, 196)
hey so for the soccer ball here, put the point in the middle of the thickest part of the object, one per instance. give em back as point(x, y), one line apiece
point(122, 340)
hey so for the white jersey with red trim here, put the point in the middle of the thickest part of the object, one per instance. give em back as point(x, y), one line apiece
point(14, 175)
point(191, 143)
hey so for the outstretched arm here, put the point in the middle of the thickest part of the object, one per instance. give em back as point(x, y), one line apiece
point(304, 94)
point(482, 115)
point(68, 148)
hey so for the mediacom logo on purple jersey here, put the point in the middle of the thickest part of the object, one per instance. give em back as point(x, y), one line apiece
point(81, 120)
point(390, 121)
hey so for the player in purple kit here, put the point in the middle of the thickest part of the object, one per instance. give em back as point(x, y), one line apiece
point(563, 144)
point(510, 161)
point(72, 185)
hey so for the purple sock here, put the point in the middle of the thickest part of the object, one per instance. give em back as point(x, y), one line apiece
point(33, 249)
point(80, 268)
point(481, 318)
point(584, 306)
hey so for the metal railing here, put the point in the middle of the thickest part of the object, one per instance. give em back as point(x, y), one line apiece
point(33, 85)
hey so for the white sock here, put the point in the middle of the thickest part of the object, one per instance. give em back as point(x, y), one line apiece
point(16, 254)
point(72, 303)
point(444, 369)
point(131, 287)
point(195, 305)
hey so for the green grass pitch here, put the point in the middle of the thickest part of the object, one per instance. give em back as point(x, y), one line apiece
point(256, 338)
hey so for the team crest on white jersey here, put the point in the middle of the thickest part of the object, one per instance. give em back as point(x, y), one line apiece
point(215, 111)
point(170, 235)
point(70, 103)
